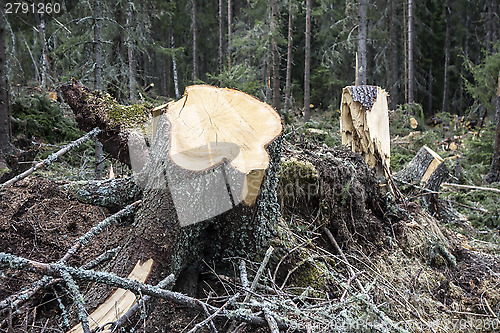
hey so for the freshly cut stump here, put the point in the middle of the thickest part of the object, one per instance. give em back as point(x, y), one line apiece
point(209, 185)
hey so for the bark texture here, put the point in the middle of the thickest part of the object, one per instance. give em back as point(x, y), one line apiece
point(307, 70)
point(362, 34)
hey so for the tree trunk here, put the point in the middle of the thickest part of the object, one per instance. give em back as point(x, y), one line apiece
point(492, 32)
point(288, 85)
point(45, 61)
point(222, 204)
point(394, 65)
point(362, 35)
point(307, 69)
point(131, 56)
point(174, 66)
point(276, 57)
point(229, 33)
point(5, 145)
point(96, 14)
point(494, 173)
point(221, 52)
point(411, 75)
point(195, 52)
point(447, 46)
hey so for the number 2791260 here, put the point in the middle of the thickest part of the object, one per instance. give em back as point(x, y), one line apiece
point(38, 8)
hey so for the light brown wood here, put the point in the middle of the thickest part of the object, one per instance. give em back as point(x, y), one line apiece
point(119, 302)
point(211, 125)
point(365, 126)
point(432, 166)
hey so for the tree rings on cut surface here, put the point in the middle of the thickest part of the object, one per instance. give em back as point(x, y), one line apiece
point(212, 126)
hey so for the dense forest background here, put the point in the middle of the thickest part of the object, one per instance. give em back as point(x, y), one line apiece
point(431, 52)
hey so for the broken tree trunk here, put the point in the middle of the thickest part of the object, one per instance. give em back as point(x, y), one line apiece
point(208, 183)
point(365, 125)
point(118, 123)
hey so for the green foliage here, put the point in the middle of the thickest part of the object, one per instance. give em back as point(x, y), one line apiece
point(484, 85)
point(240, 77)
point(40, 118)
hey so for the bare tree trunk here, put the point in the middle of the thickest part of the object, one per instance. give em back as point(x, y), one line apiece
point(289, 58)
point(394, 72)
point(447, 46)
point(411, 75)
point(221, 52)
point(362, 32)
point(96, 14)
point(492, 34)
point(45, 59)
point(229, 32)
point(131, 58)
point(195, 52)
point(494, 173)
point(174, 66)
point(307, 71)
point(5, 145)
point(276, 57)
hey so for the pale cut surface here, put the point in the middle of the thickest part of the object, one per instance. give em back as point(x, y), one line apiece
point(119, 302)
point(210, 125)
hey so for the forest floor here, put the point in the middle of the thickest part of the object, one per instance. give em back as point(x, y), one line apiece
point(400, 268)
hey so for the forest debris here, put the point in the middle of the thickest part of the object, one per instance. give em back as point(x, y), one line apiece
point(365, 125)
point(479, 188)
point(52, 157)
point(119, 303)
point(15, 262)
point(99, 228)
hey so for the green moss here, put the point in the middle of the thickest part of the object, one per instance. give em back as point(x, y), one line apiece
point(310, 274)
point(126, 116)
point(297, 180)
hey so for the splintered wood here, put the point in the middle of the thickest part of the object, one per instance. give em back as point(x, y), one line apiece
point(119, 302)
point(365, 125)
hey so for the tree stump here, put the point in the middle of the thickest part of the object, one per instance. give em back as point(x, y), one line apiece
point(365, 125)
point(427, 171)
point(209, 183)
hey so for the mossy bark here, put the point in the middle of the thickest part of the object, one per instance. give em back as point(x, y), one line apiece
point(97, 109)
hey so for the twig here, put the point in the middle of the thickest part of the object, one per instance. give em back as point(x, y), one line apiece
point(213, 315)
point(77, 298)
point(98, 228)
point(243, 274)
point(481, 188)
point(273, 326)
point(52, 157)
point(259, 273)
point(339, 250)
